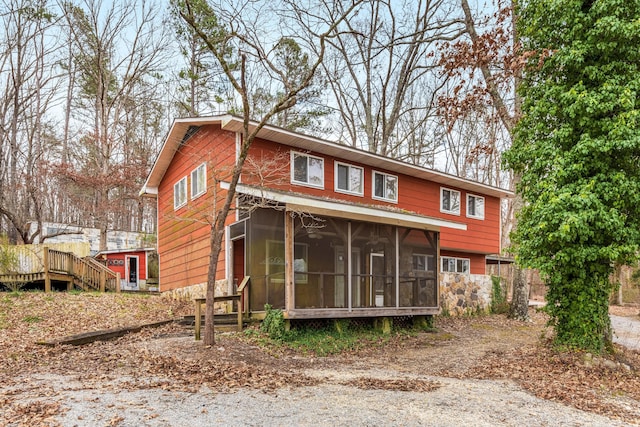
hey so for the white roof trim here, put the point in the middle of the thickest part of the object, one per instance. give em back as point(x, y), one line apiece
point(300, 203)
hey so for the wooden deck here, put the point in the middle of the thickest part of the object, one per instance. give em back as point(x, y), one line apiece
point(81, 273)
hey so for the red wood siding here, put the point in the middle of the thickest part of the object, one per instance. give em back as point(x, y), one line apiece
point(238, 261)
point(415, 195)
point(183, 234)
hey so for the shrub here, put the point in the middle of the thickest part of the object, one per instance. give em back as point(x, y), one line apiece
point(499, 304)
point(273, 323)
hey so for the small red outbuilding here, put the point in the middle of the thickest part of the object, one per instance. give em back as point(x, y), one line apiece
point(133, 266)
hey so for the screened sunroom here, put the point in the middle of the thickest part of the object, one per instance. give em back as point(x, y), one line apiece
point(321, 259)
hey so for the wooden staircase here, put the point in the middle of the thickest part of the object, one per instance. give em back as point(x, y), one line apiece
point(82, 273)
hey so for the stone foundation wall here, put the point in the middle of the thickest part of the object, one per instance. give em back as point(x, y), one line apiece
point(190, 293)
point(460, 294)
point(464, 294)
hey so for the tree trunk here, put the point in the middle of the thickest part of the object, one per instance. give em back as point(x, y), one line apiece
point(520, 298)
point(217, 234)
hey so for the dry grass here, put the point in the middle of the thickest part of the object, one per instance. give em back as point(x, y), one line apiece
point(491, 347)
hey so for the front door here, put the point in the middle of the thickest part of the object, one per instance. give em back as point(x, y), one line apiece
point(132, 272)
point(377, 279)
point(238, 263)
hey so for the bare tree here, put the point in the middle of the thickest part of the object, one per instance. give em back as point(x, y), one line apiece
point(230, 35)
point(117, 53)
point(26, 138)
point(384, 77)
point(494, 55)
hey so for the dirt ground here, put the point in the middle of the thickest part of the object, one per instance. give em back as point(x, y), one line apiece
point(168, 359)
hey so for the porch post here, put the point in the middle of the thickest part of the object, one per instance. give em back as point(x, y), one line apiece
point(438, 263)
point(45, 262)
point(397, 268)
point(289, 291)
point(349, 268)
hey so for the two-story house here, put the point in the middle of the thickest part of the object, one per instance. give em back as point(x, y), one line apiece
point(322, 230)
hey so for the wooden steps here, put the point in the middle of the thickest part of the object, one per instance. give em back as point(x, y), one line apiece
point(221, 322)
point(82, 273)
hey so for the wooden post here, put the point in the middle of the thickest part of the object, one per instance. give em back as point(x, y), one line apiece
point(198, 317)
point(438, 268)
point(103, 281)
point(118, 283)
point(289, 295)
point(383, 324)
point(45, 262)
point(240, 312)
point(242, 300)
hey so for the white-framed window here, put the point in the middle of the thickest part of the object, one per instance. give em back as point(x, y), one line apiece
point(475, 206)
point(349, 179)
point(180, 193)
point(199, 181)
point(422, 262)
point(455, 265)
point(307, 170)
point(449, 201)
point(385, 187)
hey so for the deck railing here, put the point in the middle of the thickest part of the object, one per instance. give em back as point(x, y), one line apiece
point(33, 263)
point(84, 272)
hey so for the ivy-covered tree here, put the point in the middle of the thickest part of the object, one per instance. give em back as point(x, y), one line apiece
point(577, 148)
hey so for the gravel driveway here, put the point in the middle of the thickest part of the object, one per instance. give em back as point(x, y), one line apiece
point(105, 393)
point(455, 403)
point(626, 331)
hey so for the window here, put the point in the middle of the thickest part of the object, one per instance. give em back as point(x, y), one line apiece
point(199, 181)
point(449, 201)
point(423, 262)
point(307, 170)
point(349, 179)
point(385, 187)
point(455, 265)
point(180, 193)
point(475, 206)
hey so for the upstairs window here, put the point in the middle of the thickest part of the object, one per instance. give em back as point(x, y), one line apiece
point(455, 265)
point(199, 181)
point(449, 201)
point(180, 193)
point(475, 206)
point(385, 187)
point(349, 179)
point(307, 170)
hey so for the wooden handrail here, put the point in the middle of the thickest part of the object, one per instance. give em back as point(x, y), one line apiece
point(198, 316)
point(89, 272)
